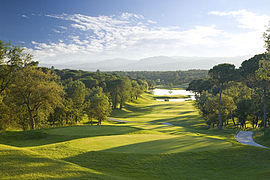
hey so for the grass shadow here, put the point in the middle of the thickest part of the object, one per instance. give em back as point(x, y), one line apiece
point(56, 135)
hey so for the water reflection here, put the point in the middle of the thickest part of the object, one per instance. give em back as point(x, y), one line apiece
point(168, 92)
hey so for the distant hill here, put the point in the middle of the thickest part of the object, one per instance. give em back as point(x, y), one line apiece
point(157, 63)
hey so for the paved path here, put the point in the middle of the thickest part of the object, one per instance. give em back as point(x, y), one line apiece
point(245, 137)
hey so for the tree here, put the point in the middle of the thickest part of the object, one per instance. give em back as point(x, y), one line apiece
point(124, 91)
point(76, 91)
point(11, 59)
point(201, 102)
point(143, 85)
point(136, 89)
point(199, 85)
point(221, 74)
point(227, 107)
point(244, 109)
point(120, 91)
point(99, 106)
point(113, 88)
point(152, 84)
point(263, 74)
point(239, 92)
point(37, 93)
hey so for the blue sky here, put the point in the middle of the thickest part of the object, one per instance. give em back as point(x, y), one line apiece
point(78, 31)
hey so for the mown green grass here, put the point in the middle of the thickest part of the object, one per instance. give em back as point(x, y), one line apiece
point(181, 114)
point(135, 143)
point(18, 163)
point(146, 149)
point(262, 137)
point(234, 163)
point(56, 135)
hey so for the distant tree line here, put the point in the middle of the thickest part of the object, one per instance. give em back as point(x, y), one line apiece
point(237, 95)
point(166, 78)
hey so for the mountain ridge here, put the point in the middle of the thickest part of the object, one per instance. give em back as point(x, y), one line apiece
point(156, 63)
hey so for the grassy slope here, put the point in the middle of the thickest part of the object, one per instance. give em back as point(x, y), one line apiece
point(18, 163)
point(262, 137)
point(134, 150)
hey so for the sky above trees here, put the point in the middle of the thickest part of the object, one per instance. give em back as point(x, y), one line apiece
point(78, 31)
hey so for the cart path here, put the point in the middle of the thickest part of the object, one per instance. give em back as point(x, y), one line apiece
point(245, 137)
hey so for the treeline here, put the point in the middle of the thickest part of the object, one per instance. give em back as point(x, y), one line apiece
point(33, 97)
point(166, 78)
point(237, 95)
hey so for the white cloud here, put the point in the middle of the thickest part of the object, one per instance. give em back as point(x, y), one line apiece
point(151, 22)
point(128, 16)
point(25, 16)
point(63, 27)
point(246, 19)
point(56, 31)
point(132, 36)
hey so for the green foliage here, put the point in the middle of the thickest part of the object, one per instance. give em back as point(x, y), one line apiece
point(99, 106)
point(222, 73)
point(166, 77)
point(76, 94)
point(35, 92)
point(136, 90)
point(263, 72)
point(199, 85)
point(266, 36)
point(11, 59)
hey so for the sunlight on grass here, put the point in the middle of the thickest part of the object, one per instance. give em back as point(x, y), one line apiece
point(135, 143)
point(24, 164)
point(143, 148)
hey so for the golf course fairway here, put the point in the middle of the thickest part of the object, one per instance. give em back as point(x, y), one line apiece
point(144, 148)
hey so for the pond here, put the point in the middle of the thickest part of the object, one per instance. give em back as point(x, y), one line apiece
point(167, 92)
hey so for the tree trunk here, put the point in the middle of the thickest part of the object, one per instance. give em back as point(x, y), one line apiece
point(233, 121)
point(115, 102)
point(66, 118)
point(264, 107)
point(257, 120)
point(31, 119)
point(121, 105)
point(219, 110)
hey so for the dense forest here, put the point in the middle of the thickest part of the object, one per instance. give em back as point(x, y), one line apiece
point(166, 78)
point(237, 95)
point(34, 97)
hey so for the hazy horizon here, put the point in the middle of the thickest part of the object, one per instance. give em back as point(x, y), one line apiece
point(156, 63)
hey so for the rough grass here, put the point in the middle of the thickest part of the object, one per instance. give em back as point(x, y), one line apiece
point(262, 137)
point(144, 150)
